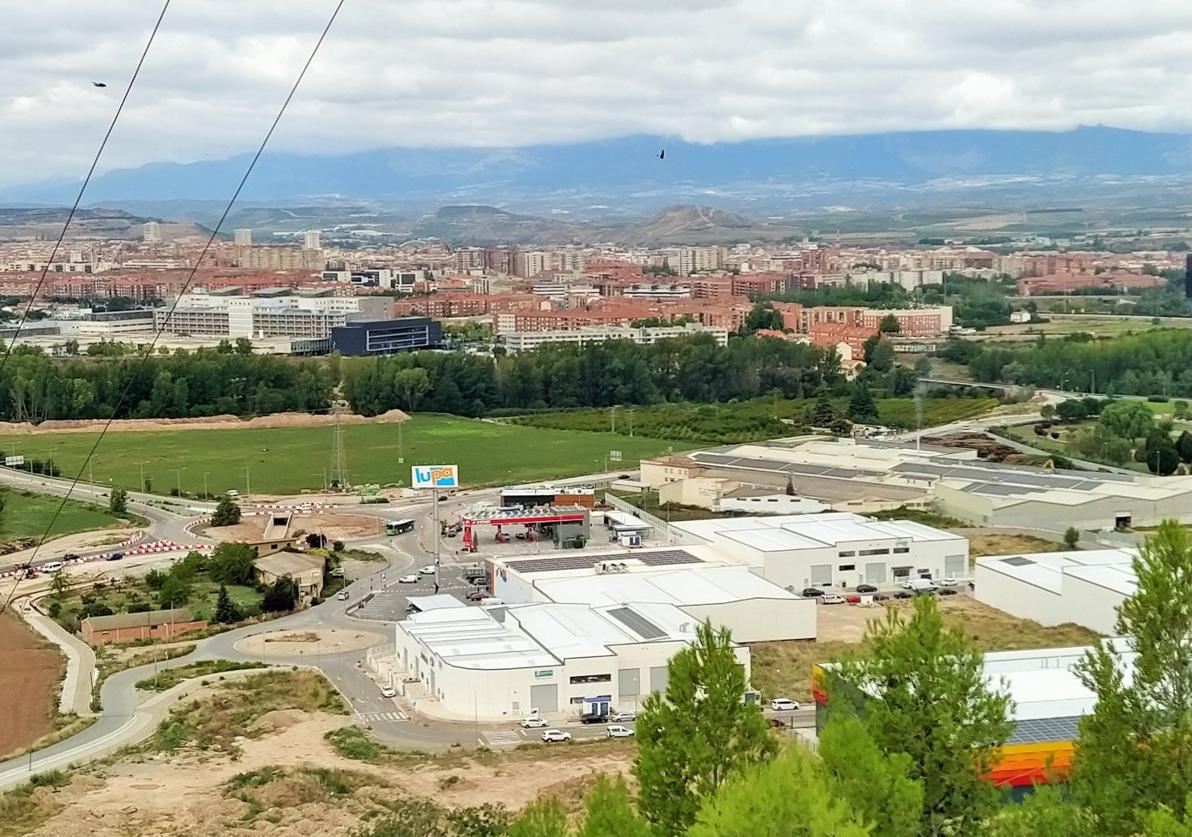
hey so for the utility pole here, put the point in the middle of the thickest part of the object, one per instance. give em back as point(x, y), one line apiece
point(206, 494)
point(247, 484)
point(339, 464)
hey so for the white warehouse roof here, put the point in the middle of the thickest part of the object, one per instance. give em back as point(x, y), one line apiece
point(678, 587)
point(1109, 568)
point(471, 638)
point(808, 531)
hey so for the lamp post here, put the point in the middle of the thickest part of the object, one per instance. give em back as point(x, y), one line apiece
point(178, 474)
point(206, 493)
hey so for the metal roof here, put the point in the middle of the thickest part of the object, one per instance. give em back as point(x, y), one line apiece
point(555, 563)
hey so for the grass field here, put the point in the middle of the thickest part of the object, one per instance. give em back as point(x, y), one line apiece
point(133, 591)
point(747, 421)
point(290, 459)
point(27, 515)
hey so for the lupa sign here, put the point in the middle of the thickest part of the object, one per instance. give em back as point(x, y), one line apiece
point(434, 476)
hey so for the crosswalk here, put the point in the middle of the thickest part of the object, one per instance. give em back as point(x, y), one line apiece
point(396, 715)
point(502, 738)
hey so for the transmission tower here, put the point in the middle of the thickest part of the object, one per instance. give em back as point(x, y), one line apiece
point(339, 461)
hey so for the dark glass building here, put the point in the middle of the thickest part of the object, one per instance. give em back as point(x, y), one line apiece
point(386, 337)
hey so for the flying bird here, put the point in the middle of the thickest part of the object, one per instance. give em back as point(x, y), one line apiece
point(98, 84)
point(662, 154)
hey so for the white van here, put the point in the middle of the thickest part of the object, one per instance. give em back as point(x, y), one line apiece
point(51, 567)
point(491, 601)
point(918, 585)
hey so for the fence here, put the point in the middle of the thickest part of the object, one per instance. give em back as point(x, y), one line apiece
point(660, 526)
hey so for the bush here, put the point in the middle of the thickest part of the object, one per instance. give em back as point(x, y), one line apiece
point(337, 546)
point(1157, 399)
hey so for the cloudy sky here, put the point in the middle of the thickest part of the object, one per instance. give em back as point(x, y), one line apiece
point(519, 72)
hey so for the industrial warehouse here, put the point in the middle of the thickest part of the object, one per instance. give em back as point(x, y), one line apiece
point(858, 474)
point(572, 632)
point(1052, 588)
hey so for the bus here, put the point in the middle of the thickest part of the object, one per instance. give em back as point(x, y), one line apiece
point(398, 527)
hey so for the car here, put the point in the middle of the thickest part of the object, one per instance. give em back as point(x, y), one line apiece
point(784, 705)
point(623, 477)
point(947, 582)
point(521, 536)
point(925, 591)
point(618, 731)
point(948, 591)
point(429, 569)
point(343, 595)
point(621, 717)
point(477, 595)
point(593, 718)
point(408, 579)
point(534, 723)
point(832, 599)
point(442, 498)
point(502, 537)
point(866, 588)
point(853, 598)
point(451, 533)
point(811, 592)
point(116, 556)
point(388, 691)
point(72, 556)
point(50, 567)
point(881, 597)
point(337, 572)
point(555, 735)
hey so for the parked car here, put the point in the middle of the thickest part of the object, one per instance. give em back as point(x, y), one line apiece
point(853, 598)
point(408, 579)
point(534, 723)
point(866, 588)
point(948, 591)
point(904, 594)
point(553, 735)
point(429, 569)
point(623, 477)
point(337, 572)
point(71, 556)
point(116, 556)
point(477, 595)
point(502, 537)
point(442, 498)
point(621, 717)
point(784, 705)
point(881, 597)
point(451, 533)
point(388, 691)
point(832, 599)
point(521, 536)
point(811, 592)
point(946, 582)
point(343, 595)
point(914, 584)
point(593, 718)
point(618, 731)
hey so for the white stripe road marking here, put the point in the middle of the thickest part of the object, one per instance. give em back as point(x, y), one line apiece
point(498, 739)
point(384, 716)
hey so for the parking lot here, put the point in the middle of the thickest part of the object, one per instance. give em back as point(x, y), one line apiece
point(388, 604)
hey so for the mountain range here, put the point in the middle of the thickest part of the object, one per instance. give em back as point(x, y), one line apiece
point(625, 176)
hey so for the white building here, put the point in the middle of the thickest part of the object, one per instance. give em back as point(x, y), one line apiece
point(378, 277)
point(657, 290)
point(832, 550)
point(699, 259)
point(520, 341)
point(286, 315)
point(768, 502)
point(310, 240)
point(242, 237)
point(1085, 588)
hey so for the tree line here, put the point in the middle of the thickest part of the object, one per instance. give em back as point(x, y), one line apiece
point(593, 375)
point(205, 382)
point(1152, 362)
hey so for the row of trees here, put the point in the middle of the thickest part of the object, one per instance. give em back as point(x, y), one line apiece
point(593, 375)
point(913, 732)
point(205, 382)
point(1153, 362)
point(1125, 429)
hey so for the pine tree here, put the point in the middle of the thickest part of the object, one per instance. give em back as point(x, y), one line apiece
point(226, 611)
point(227, 512)
point(693, 736)
point(861, 406)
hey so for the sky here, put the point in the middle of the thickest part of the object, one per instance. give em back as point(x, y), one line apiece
point(431, 73)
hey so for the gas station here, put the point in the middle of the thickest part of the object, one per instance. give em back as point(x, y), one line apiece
point(563, 525)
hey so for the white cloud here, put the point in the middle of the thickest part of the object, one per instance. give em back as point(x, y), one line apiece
point(518, 72)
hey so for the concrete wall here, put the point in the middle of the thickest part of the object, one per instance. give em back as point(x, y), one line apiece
point(971, 508)
point(761, 620)
point(1092, 605)
point(793, 569)
point(1095, 514)
point(1018, 598)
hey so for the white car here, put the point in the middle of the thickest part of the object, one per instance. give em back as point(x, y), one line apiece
point(784, 705)
point(429, 569)
point(534, 723)
point(618, 731)
point(831, 599)
point(946, 582)
point(388, 691)
point(343, 595)
point(553, 735)
point(621, 717)
point(408, 579)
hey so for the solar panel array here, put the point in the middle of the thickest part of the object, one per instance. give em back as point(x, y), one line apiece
point(779, 466)
point(1040, 730)
point(637, 623)
point(555, 563)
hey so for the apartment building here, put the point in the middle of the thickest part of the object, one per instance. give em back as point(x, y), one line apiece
point(527, 264)
point(699, 260)
point(524, 341)
point(279, 257)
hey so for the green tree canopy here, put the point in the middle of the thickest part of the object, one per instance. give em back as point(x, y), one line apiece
point(118, 501)
point(889, 325)
point(695, 734)
point(226, 611)
point(861, 406)
point(232, 563)
point(227, 512)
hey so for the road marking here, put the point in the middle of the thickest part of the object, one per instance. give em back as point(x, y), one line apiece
point(502, 739)
point(384, 716)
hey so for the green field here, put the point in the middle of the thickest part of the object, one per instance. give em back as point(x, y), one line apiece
point(27, 515)
point(288, 460)
point(748, 421)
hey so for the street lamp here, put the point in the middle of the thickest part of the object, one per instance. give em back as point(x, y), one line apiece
point(206, 494)
point(178, 474)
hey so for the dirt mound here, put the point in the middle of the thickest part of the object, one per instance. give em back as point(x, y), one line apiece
point(221, 422)
point(278, 720)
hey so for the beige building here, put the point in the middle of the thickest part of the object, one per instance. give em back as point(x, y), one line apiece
point(306, 570)
point(699, 260)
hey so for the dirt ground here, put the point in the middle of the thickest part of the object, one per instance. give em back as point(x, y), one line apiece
point(223, 422)
point(336, 527)
point(188, 794)
point(995, 543)
point(294, 644)
point(783, 669)
point(29, 676)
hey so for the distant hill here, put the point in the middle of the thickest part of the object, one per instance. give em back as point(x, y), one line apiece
point(34, 222)
point(478, 225)
point(687, 224)
point(624, 175)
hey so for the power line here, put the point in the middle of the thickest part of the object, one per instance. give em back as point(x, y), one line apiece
point(86, 180)
point(169, 316)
